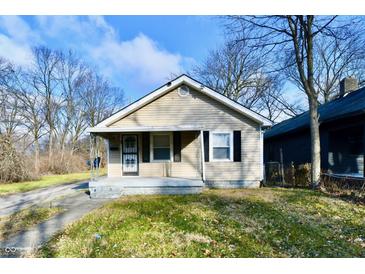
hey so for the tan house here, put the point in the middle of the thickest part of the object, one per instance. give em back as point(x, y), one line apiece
point(180, 135)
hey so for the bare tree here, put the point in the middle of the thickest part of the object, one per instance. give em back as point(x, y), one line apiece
point(274, 104)
point(9, 108)
point(290, 41)
point(100, 99)
point(72, 73)
point(51, 102)
point(338, 55)
point(238, 72)
point(31, 111)
point(45, 82)
point(235, 72)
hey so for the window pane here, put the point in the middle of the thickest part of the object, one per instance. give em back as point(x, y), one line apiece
point(221, 153)
point(220, 139)
point(161, 153)
point(161, 141)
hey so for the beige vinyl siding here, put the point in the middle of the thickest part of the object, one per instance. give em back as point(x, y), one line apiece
point(189, 167)
point(250, 166)
point(196, 109)
point(114, 166)
point(205, 113)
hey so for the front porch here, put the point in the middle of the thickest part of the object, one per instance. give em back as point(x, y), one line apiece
point(104, 187)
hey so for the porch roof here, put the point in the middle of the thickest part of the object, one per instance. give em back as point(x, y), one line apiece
point(143, 129)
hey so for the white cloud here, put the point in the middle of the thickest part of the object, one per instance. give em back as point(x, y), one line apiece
point(74, 28)
point(15, 52)
point(140, 58)
point(18, 29)
point(100, 22)
point(17, 40)
point(54, 26)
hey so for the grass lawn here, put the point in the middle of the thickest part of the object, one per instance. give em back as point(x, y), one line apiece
point(266, 222)
point(24, 219)
point(45, 181)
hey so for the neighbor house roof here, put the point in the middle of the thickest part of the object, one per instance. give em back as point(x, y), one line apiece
point(350, 105)
point(186, 80)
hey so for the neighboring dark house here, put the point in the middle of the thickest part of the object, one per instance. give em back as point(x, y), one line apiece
point(342, 130)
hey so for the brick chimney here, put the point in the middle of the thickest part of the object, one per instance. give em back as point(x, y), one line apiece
point(347, 85)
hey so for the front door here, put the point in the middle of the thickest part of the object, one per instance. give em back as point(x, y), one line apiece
point(130, 155)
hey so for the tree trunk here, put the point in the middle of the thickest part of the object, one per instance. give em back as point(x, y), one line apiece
point(313, 106)
point(62, 151)
point(50, 147)
point(36, 156)
point(315, 143)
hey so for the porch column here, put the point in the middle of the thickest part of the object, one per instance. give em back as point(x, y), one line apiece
point(94, 154)
point(92, 174)
point(202, 154)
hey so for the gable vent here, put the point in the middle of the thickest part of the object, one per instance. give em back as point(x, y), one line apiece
point(184, 91)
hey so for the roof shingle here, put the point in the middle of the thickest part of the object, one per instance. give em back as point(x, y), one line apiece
point(349, 105)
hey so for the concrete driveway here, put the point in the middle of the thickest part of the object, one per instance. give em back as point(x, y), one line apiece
point(72, 198)
point(15, 202)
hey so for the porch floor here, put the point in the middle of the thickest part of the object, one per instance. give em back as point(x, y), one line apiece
point(114, 187)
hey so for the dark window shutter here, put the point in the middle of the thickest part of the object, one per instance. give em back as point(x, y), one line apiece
point(237, 146)
point(146, 147)
point(206, 145)
point(177, 146)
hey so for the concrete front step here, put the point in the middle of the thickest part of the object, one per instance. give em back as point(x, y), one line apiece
point(116, 187)
point(108, 192)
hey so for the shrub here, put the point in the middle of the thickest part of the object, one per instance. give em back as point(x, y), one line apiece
point(63, 163)
point(347, 187)
point(303, 175)
point(294, 175)
point(13, 165)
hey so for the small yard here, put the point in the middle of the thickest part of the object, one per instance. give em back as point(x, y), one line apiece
point(266, 222)
point(45, 181)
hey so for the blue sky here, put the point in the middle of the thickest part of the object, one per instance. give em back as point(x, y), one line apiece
point(137, 53)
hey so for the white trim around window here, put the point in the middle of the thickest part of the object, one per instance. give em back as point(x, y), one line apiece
point(211, 136)
point(152, 160)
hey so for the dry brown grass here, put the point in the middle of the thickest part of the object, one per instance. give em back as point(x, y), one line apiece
point(13, 165)
point(63, 163)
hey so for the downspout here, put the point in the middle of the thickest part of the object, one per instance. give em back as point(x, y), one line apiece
point(202, 155)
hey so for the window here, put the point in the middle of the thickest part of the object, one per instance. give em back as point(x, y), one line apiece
point(161, 147)
point(221, 148)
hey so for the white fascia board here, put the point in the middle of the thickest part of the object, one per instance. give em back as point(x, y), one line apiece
point(228, 102)
point(142, 129)
point(241, 109)
point(194, 84)
point(143, 101)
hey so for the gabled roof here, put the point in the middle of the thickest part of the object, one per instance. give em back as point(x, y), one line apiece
point(350, 105)
point(183, 79)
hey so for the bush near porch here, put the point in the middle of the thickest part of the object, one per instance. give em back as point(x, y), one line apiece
point(266, 222)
